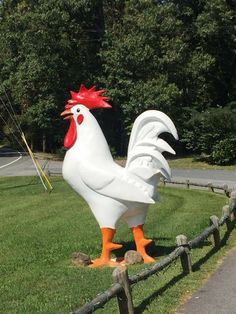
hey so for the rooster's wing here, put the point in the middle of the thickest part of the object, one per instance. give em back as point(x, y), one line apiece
point(115, 182)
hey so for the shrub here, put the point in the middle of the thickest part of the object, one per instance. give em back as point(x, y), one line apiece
point(224, 153)
point(206, 129)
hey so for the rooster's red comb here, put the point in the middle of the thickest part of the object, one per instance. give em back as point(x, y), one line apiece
point(89, 98)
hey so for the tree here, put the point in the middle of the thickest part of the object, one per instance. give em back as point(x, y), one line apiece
point(48, 48)
point(176, 56)
point(132, 69)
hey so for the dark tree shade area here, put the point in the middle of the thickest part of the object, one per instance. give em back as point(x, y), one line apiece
point(177, 56)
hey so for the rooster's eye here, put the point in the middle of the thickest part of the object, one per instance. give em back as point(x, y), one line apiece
point(78, 110)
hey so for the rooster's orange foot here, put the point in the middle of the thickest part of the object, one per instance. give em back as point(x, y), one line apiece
point(141, 243)
point(105, 260)
point(113, 246)
point(99, 262)
point(148, 259)
point(141, 249)
point(144, 242)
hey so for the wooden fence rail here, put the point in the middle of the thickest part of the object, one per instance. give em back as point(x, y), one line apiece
point(122, 282)
point(100, 300)
point(210, 186)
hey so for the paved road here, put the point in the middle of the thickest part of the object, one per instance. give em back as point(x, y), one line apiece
point(218, 177)
point(23, 166)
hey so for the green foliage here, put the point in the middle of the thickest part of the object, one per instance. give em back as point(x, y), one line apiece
point(175, 56)
point(204, 130)
point(164, 57)
point(47, 49)
point(224, 153)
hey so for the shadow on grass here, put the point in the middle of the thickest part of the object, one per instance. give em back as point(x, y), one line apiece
point(34, 181)
point(198, 264)
point(146, 302)
point(195, 267)
point(152, 249)
point(17, 186)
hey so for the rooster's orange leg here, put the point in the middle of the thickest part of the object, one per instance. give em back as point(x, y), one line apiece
point(141, 243)
point(107, 247)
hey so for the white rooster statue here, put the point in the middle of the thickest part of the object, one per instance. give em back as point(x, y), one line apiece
point(111, 191)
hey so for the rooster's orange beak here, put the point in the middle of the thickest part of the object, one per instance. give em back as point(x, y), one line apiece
point(67, 114)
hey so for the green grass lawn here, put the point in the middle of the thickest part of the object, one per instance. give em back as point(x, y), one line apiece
point(192, 163)
point(40, 231)
point(189, 163)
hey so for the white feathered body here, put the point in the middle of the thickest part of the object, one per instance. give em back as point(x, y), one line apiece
point(111, 191)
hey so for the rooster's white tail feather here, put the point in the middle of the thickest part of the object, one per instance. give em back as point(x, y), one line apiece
point(144, 153)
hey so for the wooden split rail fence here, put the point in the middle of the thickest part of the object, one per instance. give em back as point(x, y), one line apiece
point(121, 289)
point(209, 185)
point(187, 183)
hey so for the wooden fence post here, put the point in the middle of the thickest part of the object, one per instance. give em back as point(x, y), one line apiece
point(163, 181)
point(210, 186)
point(124, 298)
point(226, 211)
point(214, 220)
point(232, 204)
point(226, 189)
point(181, 240)
point(187, 184)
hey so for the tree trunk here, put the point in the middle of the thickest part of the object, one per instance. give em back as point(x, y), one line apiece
point(32, 144)
point(44, 143)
